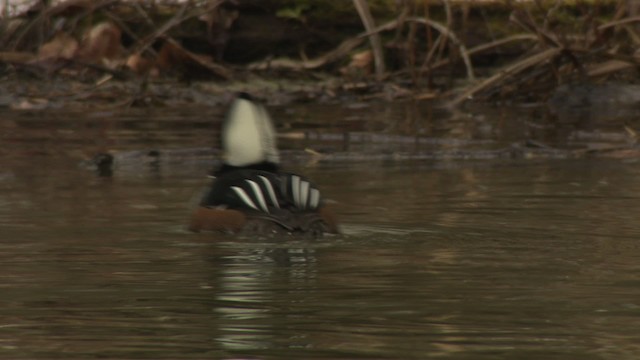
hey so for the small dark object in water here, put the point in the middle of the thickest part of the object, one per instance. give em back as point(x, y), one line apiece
point(104, 164)
point(249, 193)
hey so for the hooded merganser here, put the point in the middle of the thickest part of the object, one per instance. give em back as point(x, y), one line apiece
point(249, 193)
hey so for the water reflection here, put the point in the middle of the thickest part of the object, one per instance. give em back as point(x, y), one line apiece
point(247, 297)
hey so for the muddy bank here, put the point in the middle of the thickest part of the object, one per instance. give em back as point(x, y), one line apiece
point(137, 54)
point(21, 93)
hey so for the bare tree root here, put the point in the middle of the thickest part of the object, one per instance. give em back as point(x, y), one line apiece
point(504, 74)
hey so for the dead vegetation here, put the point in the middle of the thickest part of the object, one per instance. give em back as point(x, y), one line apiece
point(452, 51)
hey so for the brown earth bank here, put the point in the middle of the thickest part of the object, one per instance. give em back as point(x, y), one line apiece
point(112, 53)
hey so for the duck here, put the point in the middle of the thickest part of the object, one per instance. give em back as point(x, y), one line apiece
point(249, 192)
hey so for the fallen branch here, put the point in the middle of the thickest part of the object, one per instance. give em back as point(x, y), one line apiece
point(173, 51)
point(338, 53)
point(488, 46)
point(505, 73)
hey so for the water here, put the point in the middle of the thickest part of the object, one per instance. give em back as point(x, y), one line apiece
point(526, 259)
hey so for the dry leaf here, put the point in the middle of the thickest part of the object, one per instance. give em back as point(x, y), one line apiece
point(62, 46)
point(30, 104)
point(360, 65)
point(141, 65)
point(102, 45)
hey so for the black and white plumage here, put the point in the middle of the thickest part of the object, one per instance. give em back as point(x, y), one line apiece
point(249, 187)
point(263, 192)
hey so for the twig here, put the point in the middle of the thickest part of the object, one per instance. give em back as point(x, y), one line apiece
point(435, 45)
point(527, 22)
point(632, 34)
point(609, 67)
point(443, 30)
point(449, 15)
point(177, 19)
point(624, 21)
point(126, 29)
point(376, 45)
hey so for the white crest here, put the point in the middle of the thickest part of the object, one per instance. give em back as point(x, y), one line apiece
point(248, 135)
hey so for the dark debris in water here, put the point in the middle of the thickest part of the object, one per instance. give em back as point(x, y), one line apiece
point(105, 164)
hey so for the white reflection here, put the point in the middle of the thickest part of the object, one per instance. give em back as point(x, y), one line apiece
point(251, 308)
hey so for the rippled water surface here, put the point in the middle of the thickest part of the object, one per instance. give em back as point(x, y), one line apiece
point(511, 259)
